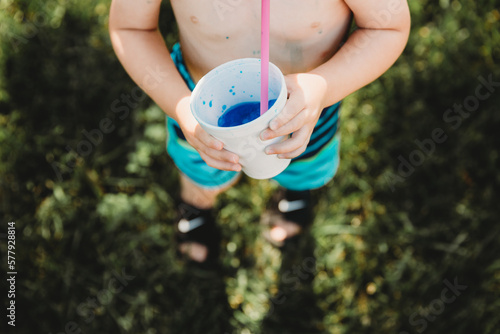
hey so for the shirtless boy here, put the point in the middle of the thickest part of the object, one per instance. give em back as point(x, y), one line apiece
point(306, 43)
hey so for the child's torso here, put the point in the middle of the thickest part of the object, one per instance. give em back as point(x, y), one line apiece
point(304, 33)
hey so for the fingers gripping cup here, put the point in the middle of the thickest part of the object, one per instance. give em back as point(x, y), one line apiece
point(232, 84)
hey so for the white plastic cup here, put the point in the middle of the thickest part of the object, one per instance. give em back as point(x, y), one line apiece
point(232, 83)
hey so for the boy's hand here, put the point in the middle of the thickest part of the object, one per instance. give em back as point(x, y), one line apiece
point(210, 149)
point(300, 115)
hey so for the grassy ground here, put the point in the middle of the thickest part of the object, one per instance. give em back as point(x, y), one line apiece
point(393, 249)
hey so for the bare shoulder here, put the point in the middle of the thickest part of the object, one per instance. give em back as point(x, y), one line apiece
point(134, 14)
point(381, 14)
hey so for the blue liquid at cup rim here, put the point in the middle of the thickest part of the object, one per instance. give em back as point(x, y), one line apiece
point(241, 113)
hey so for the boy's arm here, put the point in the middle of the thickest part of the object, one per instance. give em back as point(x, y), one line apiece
point(139, 45)
point(133, 27)
point(384, 27)
point(383, 30)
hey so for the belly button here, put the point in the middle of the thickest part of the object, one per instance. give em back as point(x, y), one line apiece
point(194, 19)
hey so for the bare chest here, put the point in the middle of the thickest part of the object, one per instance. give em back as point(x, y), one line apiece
point(292, 20)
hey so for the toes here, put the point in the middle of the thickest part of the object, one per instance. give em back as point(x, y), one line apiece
point(291, 228)
point(195, 251)
point(284, 229)
point(278, 233)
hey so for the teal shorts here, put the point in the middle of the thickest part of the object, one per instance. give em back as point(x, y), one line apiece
point(312, 169)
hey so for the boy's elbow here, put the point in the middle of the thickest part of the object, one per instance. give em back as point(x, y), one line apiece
point(400, 20)
point(401, 24)
point(406, 24)
point(403, 18)
point(113, 22)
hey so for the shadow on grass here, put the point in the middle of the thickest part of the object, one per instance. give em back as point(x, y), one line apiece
point(201, 303)
point(294, 309)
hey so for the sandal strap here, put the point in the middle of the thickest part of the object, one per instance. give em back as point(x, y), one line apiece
point(289, 206)
point(198, 225)
point(191, 217)
point(189, 212)
point(296, 207)
point(186, 226)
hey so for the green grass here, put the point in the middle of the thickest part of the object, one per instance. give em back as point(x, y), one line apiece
point(382, 245)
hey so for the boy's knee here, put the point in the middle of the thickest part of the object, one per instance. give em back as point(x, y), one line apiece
point(200, 197)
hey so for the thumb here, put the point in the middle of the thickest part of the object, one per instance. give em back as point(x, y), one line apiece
point(293, 106)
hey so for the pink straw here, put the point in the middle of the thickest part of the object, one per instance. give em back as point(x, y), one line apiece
point(264, 55)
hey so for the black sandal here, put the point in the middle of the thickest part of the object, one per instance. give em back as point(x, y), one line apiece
point(197, 225)
point(292, 206)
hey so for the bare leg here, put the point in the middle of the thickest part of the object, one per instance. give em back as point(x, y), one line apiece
point(202, 199)
point(196, 196)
